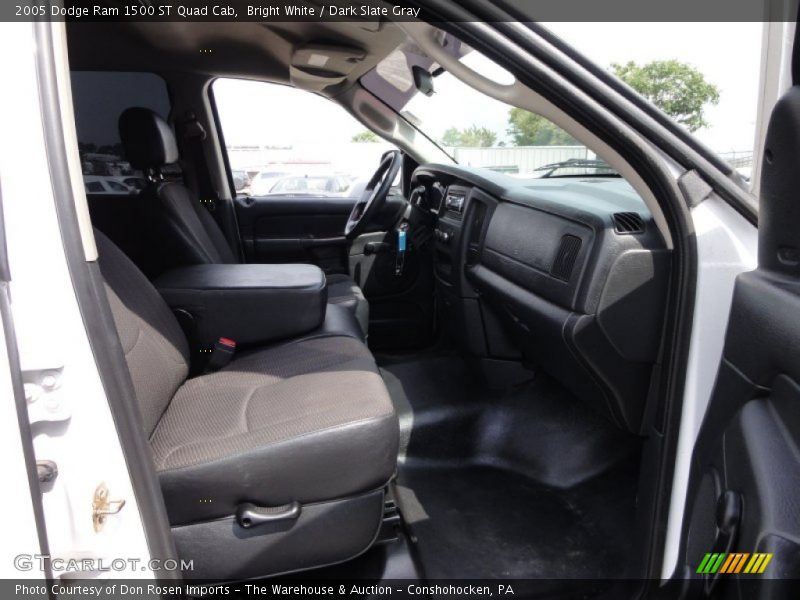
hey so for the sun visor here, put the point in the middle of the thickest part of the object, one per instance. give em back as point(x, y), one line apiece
point(317, 66)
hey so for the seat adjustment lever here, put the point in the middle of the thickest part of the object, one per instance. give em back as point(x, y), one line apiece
point(249, 515)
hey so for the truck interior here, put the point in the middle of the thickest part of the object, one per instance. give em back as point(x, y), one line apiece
point(453, 372)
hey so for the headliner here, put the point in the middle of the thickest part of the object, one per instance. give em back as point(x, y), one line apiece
point(244, 49)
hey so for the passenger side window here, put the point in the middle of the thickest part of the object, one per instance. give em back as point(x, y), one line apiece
point(284, 141)
point(100, 97)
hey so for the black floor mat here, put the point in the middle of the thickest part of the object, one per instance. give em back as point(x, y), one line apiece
point(527, 483)
point(483, 522)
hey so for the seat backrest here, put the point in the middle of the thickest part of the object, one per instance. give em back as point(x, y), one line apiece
point(192, 235)
point(127, 220)
point(154, 345)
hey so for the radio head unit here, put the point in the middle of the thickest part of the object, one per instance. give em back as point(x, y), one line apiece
point(455, 202)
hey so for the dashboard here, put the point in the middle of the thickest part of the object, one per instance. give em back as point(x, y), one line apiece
point(566, 275)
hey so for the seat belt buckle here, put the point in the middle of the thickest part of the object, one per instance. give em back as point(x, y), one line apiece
point(221, 355)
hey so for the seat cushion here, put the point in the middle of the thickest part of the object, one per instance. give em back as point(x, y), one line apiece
point(344, 291)
point(309, 420)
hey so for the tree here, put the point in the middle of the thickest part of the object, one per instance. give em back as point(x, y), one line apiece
point(365, 136)
point(451, 137)
point(473, 136)
point(529, 129)
point(478, 136)
point(677, 88)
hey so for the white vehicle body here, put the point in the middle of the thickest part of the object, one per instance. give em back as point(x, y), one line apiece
point(100, 184)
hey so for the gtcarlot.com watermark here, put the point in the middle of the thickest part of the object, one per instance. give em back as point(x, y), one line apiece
point(41, 562)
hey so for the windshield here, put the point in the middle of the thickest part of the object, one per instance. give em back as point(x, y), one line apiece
point(475, 129)
point(479, 131)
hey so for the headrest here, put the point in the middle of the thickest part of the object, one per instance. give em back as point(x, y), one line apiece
point(147, 139)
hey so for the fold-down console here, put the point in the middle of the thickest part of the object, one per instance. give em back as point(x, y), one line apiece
point(250, 304)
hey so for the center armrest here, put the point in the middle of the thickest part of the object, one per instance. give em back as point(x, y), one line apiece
point(248, 303)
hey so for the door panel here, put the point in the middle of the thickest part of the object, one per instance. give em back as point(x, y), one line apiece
point(750, 440)
point(285, 229)
point(744, 488)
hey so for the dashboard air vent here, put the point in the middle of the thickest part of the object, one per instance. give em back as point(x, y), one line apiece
point(565, 257)
point(628, 222)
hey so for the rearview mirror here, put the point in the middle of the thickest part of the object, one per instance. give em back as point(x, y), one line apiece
point(423, 80)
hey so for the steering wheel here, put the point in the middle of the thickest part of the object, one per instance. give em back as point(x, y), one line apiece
point(374, 196)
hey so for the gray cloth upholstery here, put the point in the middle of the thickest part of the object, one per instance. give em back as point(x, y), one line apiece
point(154, 345)
point(307, 420)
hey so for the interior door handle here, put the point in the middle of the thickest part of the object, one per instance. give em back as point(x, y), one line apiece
point(245, 201)
point(376, 248)
point(249, 515)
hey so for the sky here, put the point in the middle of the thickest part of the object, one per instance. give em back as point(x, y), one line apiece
point(253, 112)
point(728, 54)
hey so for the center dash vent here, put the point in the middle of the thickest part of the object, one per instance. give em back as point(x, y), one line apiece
point(565, 257)
point(628, 222)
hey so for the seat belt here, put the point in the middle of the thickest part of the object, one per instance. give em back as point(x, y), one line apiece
point(194, 134)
